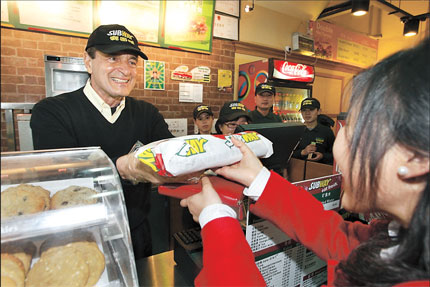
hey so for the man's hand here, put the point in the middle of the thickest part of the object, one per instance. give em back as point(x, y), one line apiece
point(316, 156)
point(131, 168)
point(310, 148)
point(197, 202)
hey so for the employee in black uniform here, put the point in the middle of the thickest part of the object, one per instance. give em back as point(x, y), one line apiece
point(102, 114)
point(203, 118)
point(263, 113)
point(317, 140)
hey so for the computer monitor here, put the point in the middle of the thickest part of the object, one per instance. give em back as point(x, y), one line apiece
point(284, 136)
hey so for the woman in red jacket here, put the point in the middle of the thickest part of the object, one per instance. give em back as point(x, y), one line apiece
point(383, 153)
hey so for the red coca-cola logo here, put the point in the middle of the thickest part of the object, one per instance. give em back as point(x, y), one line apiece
point(296, 70)
point(293, 71)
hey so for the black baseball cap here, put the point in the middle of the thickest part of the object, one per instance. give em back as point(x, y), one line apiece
point(264, 87)
point(114, 38)
point(233, 110)
point(310, 103)
point(200, 109)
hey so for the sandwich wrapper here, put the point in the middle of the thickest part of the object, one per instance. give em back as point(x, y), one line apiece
point(188, 154)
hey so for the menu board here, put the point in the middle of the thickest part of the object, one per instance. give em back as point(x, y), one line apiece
point(61, 15)
point(338, 44)
point(283, 261)
point(182, 25)
point(140, 17)
point(4, 11)
point(188, 24)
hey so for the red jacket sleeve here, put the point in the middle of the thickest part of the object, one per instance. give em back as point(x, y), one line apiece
point(303, 218)
point(227, 256)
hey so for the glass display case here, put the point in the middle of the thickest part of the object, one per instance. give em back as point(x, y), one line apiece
point(63, 209)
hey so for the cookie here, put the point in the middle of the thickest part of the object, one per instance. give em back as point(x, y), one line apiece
point(94, 258)
point(73, 196)
point(12, 269)
point(22, 199)
point(7, 282)
point(59, 266)
point(64, 238)
point(24, 251)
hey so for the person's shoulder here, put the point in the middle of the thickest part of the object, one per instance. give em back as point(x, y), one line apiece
point(253, 113)
point(277, 117)
point(324, 127)
point(138, 103)
point(62, 99)
point(140, 106)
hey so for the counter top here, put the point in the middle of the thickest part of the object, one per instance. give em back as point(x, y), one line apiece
point(160, 270)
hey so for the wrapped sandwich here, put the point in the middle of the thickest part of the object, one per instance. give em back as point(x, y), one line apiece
point(187, 154)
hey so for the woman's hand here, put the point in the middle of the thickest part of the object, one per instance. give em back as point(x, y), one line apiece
point(246, 169)
point(197, 202)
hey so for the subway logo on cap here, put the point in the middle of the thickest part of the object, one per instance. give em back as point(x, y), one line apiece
point(202, 108)
point(237, 106)
point(120, 35)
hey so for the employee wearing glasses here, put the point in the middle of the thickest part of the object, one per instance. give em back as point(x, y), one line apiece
point(232, 115)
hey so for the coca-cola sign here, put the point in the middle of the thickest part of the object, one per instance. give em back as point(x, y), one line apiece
point(284, 70)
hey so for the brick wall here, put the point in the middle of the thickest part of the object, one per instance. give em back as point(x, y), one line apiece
point(23, 72)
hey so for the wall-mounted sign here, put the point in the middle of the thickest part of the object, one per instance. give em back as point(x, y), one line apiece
point(226, 27)
point(339, 44)
point(224, 79)
point(283, 70)
point(198, 74)
point(188, 24)
point(181, 25)
point(62, 15)
point(4, 11)
point(191, 93)
point(154, 75)
point(230, 7)
point(140, 17)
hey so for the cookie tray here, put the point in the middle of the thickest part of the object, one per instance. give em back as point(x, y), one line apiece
point(53, 221)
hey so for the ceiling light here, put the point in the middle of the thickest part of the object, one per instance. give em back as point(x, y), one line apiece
point(359, 7)
point(411, 27)
point(249, 8)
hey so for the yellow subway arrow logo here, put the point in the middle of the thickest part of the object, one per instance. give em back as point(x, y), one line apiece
point(148, 158)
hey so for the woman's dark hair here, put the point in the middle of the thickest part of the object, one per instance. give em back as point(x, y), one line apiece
point(390, 105)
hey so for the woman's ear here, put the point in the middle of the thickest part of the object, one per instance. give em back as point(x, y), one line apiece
point(415, 167)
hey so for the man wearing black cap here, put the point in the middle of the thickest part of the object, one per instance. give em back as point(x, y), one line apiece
point(317, 140)
point(264, 97)
point(203, 119)
point(232, 115)
point(102, 114)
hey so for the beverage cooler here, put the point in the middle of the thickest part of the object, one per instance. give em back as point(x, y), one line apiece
point(293, 82)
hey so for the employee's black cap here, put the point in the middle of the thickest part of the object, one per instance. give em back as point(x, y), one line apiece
point(232, 110)
point(310, 103)
point(264, 87)
point(200, 109)
point(114, 38)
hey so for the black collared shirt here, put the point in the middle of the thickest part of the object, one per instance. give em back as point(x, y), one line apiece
point(323, 137)
point(258, 118)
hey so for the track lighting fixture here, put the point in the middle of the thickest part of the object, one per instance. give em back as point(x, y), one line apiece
point(359, 7)
point(249, 8)
point(411, 27)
